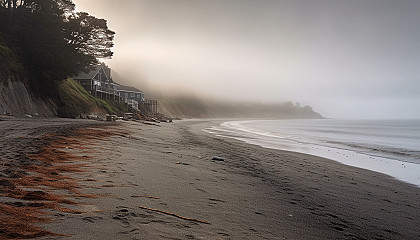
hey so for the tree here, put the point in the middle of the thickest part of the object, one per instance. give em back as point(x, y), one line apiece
point(52, 40)
point(16, 9)
point(89, 37)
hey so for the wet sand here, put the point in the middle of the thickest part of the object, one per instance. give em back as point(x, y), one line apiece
point(150, 182)
point(35, 170)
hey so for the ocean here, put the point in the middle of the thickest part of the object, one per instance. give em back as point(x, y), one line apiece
point(388, 146)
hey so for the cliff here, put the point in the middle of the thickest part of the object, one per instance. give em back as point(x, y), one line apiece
point(16, 98)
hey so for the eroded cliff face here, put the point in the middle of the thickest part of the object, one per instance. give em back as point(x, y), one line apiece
point(15, 97)
point(17, 100)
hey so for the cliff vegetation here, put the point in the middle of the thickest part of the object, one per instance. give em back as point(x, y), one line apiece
point(77, 102)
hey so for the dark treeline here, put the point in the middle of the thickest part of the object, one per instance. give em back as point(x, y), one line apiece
point(52, 41)
point(194, 107)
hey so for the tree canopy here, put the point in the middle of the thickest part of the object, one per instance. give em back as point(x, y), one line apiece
point(52, 40)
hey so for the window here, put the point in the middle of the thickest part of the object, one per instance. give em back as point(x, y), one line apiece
point(132, 95)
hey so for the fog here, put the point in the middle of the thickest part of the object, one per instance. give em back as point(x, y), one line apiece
point(346, 59)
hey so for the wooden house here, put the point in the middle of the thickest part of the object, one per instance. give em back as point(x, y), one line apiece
point(131, 93)
point(98, 80)
point(100, 84)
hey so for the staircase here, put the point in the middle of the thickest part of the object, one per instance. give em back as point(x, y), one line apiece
point(133, 104)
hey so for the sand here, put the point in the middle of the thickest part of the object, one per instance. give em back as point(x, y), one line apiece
point(138, 181)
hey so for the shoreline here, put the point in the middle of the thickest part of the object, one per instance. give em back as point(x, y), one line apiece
point(406, 171)
point(255, 193)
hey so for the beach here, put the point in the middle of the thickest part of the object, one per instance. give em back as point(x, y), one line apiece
point(130, 180)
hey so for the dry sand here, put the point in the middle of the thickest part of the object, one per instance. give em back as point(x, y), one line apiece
point(255, 193)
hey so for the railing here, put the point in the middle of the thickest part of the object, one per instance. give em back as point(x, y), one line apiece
point(132, 103)
point(146, 107)
point(105, 89)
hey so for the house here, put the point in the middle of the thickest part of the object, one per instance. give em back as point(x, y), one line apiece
point(98, 79)
point(131, 93)
point(135, 99)
point(99, 83)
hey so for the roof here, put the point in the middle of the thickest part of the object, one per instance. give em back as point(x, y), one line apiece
point(92, 73)
point(88, 75)
point(129, 89)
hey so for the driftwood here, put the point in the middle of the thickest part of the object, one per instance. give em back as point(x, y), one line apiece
point(173, 214)
point(145, 197)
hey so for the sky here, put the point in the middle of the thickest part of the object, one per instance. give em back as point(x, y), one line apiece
point(345, 58)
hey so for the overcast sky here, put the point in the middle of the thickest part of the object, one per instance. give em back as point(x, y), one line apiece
point(345, 58)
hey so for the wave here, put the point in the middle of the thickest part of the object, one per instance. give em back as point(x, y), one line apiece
point(359, 141)
point(239, 126)
point(402, 154)
point(401, 163)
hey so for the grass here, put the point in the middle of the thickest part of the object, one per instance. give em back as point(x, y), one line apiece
point(75, 100)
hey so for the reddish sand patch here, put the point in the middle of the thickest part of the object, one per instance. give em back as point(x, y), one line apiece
point(34, 192)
